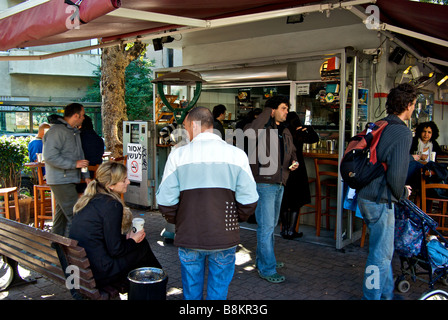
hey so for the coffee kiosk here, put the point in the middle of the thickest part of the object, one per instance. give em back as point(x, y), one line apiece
point(336, 71)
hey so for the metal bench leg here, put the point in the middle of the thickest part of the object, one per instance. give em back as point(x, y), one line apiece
point(17, 280)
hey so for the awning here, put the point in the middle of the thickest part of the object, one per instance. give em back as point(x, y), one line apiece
point(420, 25)
point(41, 26)
point(55, 18)
point(426, 19)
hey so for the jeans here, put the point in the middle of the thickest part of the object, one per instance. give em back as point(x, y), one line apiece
point(221, 266)
point(267, 213)
point(378, 278)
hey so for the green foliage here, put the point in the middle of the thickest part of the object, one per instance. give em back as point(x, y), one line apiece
point(93, 93)
point(13, 156)
point(139, 93)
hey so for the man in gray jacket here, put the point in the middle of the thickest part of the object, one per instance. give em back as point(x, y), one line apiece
point(64, 158)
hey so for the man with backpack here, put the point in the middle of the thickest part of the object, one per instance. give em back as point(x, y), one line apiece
point(376, 202)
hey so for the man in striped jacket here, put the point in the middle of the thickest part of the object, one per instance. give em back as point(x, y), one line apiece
point(206, 189)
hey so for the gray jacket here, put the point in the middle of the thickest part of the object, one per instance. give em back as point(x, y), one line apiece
point(62, 148)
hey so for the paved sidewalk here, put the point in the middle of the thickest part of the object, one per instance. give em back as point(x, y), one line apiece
point(313, 271)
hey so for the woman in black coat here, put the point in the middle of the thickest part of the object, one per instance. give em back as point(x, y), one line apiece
point(92, 143)
point(297, 191)
point(92, 146)
point(102, 226)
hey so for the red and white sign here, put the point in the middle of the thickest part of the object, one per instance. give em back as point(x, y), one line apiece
point(134, 163)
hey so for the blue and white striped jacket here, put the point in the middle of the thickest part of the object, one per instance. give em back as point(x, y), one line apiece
point(207, 187)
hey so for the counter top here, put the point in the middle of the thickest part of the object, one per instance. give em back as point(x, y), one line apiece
point(34, 164)
point(320, 153)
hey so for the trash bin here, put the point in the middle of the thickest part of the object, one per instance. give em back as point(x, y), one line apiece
point(147, 284)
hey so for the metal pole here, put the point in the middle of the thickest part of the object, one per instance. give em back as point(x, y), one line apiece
point(354, 96)
point(342, 109)
point(353, 129)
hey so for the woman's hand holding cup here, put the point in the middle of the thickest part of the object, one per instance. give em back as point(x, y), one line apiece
point(138, 236)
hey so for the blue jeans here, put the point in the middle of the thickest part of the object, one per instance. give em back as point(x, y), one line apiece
point(267, 213)
point(221, 266)
point(378, 278)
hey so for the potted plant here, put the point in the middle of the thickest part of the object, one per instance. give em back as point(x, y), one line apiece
point(13, 156)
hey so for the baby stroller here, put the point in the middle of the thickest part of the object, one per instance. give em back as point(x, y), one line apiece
point(417, 257)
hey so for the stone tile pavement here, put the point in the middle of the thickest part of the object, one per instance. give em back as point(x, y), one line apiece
point(313, 271)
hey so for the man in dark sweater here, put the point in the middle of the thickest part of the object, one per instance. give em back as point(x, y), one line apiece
point(219, 114)
point(393, 149)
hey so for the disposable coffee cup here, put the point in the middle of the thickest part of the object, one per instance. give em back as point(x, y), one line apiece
point(39, 157)
point(84, 170)
point(137, 224)
point(433, 157)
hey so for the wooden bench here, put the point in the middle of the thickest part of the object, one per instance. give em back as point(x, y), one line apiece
point(52, 256)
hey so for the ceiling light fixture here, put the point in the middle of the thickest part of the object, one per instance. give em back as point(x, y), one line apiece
point(407, 70)
point(158, 42)
point(442, 81)
point(298, 18)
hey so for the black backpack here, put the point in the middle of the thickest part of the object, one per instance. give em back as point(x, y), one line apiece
point(360, 165)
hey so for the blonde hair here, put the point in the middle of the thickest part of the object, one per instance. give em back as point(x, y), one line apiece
point(107, 175)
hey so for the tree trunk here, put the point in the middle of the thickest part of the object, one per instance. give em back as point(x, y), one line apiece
point(114, 61)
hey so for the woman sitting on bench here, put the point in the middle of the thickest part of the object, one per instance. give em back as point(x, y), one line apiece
point(102, 226)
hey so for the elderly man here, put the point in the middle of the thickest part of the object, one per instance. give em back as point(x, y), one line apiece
point(35, 146)
point(207, 187)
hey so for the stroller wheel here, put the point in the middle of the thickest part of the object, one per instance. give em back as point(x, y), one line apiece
point(6, 274)
point(444, 280)
point(435, 295)
point(403, 286)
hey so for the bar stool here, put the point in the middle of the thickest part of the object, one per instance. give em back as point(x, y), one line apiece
point(43, 209)
point(326, 185)
point(364, 226)
point(429, 196)
point(363, 234)
point(6, 193)
point(314, 206)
